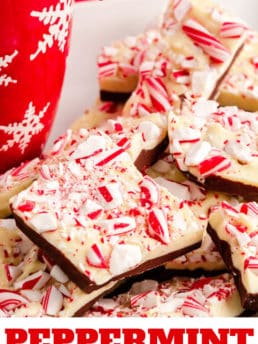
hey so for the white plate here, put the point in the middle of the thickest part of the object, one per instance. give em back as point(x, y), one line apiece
point(98, 23)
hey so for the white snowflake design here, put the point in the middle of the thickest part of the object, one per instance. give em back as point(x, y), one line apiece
point(5, 79)
point(58, 18)
point(23, 131)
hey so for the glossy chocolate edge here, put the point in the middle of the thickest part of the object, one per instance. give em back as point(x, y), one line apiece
point(80, 279)
point(233, 188)
point(117, 97)
point(148, 157)
point(249, 300)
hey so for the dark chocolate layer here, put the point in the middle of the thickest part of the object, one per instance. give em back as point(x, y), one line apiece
point(79, 278)
point(249, 300)
point(217, 183)
point(117, 97)
point(148, 157)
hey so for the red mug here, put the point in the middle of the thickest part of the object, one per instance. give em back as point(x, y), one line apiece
point(34, 42)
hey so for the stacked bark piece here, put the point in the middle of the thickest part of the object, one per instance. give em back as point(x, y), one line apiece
point(161, 186)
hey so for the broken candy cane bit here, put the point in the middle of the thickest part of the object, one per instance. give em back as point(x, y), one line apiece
point(158, 227)
point(124, 257)
point(209, 43)
point(36, 281)
point(52, 301)
point(44, 222)
point(11, 299)
point(213, 165)
point(96, 258)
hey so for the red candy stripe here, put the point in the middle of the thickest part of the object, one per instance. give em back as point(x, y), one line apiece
point(149, 191)
point(213, 165)
point(250, 208)
point(11, 299)
point(110, 156)
point(209, 43)
point(232, 29)
point(96, 258)
point(158, 94)
point(158, 228)
point(107, 69)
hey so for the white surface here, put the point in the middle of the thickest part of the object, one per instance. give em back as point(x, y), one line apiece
point(99, 23)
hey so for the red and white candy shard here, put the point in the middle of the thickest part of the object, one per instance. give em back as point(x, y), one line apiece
point(52, 301)
point(36, 281)
point(11, 299)
point(96, 258)
point(158, 93)
point(238, 233)
point(193, 306)
point(110, 195)
point(127, 69)
point(213, 165)
point(181, 76)
point(252, 264)
point(197, 153)
point(230, 29)
point(146, 300)
point(149, 191)
point(109, 157)
point(92, 146)
point(186, 135)
point(12, 272)
point(92, 209)
point(107, 69)
point(250, 208)
point(118, 226)
point(205, 40)
point(158, 226)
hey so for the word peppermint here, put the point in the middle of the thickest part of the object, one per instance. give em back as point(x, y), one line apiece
point(128, 336)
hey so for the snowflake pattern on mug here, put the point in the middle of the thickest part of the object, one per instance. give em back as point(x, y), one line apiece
point(23, 131)
point(57, 18)
point(5, 79)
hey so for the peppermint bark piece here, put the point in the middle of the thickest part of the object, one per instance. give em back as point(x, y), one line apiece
point(240, 87)
point(190, 52)
point(206, 258)
point(100, 219)
point(14, 181)
point(234, 230)
point(33, 285)
point(216, 146)
point(118, 64)
point(178, 297)
point(19, 178)
point(143, 138)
